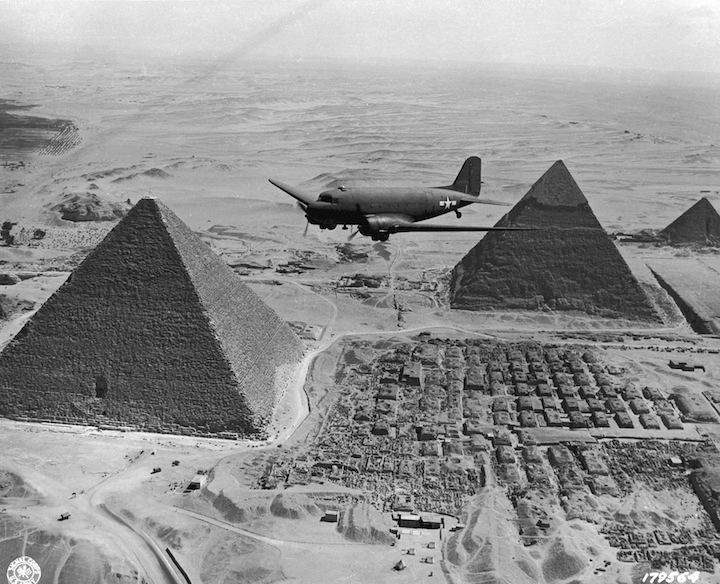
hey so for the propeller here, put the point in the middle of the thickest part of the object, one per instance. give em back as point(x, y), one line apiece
point(303, 208)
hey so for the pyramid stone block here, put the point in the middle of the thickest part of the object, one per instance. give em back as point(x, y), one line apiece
point(699, 224)
point(154, 331)
point(568, 263)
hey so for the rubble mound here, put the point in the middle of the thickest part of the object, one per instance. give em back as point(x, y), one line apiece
point(561, 562)
point(294, 506)
point(9, 279)
point(240, 510)
point(152, 331)
point(568, 263)
point(156, 173)
point(86, 206)
point(363, 523)
point(699, 224)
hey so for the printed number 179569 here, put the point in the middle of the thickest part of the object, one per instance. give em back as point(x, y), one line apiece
point(657, 577)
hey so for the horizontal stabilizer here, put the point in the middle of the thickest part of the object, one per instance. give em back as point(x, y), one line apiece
point(471, 199)
point(302, 197)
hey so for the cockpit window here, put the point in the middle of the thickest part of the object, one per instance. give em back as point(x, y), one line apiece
point(325, 198)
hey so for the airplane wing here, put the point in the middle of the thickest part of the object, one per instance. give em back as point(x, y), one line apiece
point(397, 223)
point(407, 227)
point(302, 197)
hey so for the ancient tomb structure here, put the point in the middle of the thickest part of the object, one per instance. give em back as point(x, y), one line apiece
point(152, 331)
point(699, 224)
point(569, 263)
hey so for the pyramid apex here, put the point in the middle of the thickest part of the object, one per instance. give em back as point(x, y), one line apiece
point(554, 199)
point(557, 188)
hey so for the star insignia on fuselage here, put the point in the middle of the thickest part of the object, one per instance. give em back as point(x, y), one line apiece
point(448, 203)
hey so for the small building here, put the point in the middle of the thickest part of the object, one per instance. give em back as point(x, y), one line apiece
point(653, 393)
point(649, 422)
point(502, 419)
point(411, 520)
point(527, 419)
point(502, 437)
point(388, 392)
point(639, 406)
point(532, 454)
point(505, 454)
point(607, 392)
point(425, 433)
point(559, 455)
point(501, 405)
point(381, 429)
point(431, 521)
point(685, 366)
point(566, 391)
point(599, 420)
point(671, 422)
point(404, 502)
point(623, 420)
point(524, 403)
point(614, 405)
point(526, 438)
point(330, 516)
point(548, 403)
point(199, 481)
point(413, 373)
point(570, 404)
point(475, 379)
point(675, 461)
point(631, 392)
point(362, 415)
point(552, 418)
point(587, 392)
point(595, 405)
point(577, 420)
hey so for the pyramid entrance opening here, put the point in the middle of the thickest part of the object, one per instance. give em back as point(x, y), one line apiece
point(101, 386)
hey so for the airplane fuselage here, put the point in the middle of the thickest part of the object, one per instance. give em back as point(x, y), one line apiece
point(352, 206)
point(380, 211)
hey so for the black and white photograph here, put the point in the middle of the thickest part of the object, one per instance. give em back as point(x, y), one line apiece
point(360, 291)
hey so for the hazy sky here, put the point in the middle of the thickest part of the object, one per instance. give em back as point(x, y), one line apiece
point(649, 34)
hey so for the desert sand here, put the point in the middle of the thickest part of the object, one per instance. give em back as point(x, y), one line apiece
point(643, 147)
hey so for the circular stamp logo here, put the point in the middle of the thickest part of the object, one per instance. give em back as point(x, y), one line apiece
point(23, 570)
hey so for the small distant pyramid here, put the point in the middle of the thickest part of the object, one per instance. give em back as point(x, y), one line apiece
point(153, 331)
point(569, 263)
point(699, 224)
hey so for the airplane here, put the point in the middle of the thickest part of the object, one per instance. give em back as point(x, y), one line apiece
point(380, 211)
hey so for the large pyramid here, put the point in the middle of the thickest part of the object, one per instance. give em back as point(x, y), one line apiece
point(699, 224)
point(569, 263)
point(153, 331)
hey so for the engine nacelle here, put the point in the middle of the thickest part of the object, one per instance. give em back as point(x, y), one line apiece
point(380, 224)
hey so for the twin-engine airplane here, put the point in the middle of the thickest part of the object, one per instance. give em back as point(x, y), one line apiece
point(380, 211)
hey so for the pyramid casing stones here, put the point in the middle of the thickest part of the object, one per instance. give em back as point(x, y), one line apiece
point(153, 330)
point(569, 263)
point(699, 224)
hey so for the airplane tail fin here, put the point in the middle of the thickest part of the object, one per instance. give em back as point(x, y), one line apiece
point(468, 179)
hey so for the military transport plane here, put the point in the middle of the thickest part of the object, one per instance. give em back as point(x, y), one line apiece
point(380, 211)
